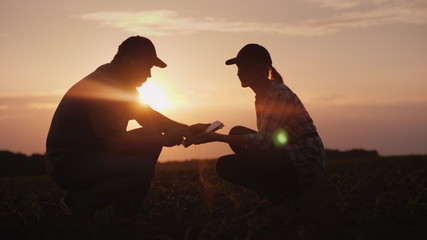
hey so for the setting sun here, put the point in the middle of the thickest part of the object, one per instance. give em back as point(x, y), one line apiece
point(153, 95)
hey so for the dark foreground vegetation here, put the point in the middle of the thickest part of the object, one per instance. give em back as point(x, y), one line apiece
point(366, 198)
point(18, 164)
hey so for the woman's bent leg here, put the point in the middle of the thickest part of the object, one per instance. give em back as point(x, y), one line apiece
point(270, 172)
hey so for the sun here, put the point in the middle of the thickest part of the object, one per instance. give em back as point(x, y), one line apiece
point(152, 94)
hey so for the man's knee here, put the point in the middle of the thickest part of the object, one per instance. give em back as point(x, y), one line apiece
point(145, 131)
point(154, 151)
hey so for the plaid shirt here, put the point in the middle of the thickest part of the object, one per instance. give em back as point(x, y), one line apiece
point(280, 111)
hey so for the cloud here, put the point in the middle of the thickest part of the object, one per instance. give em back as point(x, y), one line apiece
point(349, 99)
point(168, 22)
point(43, 105)
point(336, 4)
point(10, 104)
point(367, 4)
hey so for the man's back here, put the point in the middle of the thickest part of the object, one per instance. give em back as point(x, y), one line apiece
point(87, 113)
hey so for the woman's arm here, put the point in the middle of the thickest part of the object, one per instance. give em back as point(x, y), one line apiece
point(236, 140)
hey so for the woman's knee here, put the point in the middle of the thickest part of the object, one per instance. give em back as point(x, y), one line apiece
point(240, 130)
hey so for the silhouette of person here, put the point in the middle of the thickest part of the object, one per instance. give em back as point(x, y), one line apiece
point(90, 154)
point(285, 155)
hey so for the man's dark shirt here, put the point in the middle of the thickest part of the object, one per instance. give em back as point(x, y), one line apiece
point(95, 108)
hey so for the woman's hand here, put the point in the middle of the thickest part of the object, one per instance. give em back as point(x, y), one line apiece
point(198, 128)
point(204, 137)
point(192, 130)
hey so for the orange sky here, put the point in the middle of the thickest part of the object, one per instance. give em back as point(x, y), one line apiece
point(358, 66)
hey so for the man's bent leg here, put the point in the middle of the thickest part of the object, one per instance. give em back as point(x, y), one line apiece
point(154, 152)
point(102, 178)
point(118, 176)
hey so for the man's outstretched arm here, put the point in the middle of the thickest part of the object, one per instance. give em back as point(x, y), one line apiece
point(129, 143)
point(151, 118)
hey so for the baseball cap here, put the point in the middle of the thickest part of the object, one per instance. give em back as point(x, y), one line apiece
point(251, 54)
point(141, 47)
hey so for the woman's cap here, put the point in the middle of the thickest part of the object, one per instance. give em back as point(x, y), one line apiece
point(251, 54)
point(141, 47)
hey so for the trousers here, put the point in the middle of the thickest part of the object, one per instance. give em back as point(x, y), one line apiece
point(269, 172)
point(100, 177)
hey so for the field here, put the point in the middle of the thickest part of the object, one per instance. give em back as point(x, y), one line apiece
point(376, 198)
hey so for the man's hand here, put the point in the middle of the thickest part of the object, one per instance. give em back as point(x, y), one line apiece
point(172, 138)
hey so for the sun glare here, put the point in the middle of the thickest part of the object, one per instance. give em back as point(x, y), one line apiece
point(152, 94)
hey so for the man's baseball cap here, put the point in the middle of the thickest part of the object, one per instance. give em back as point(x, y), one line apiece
point(141, 47)
point(251, 54)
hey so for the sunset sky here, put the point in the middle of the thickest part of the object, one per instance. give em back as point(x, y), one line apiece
point(359, 66)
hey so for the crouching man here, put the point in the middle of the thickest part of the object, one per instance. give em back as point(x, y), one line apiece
point(90, 154)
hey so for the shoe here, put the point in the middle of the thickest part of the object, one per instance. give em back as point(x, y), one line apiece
point(128, 207)
point(65, 208)
point(75, 205)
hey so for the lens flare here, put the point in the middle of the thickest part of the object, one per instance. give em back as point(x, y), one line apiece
point(151, 94)
point(280, 138)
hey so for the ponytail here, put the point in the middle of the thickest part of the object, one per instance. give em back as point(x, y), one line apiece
point(275, 75)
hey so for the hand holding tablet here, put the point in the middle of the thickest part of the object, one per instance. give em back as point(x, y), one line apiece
point(212, 128)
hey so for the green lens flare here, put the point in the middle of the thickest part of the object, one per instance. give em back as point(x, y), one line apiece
point(280, 138)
